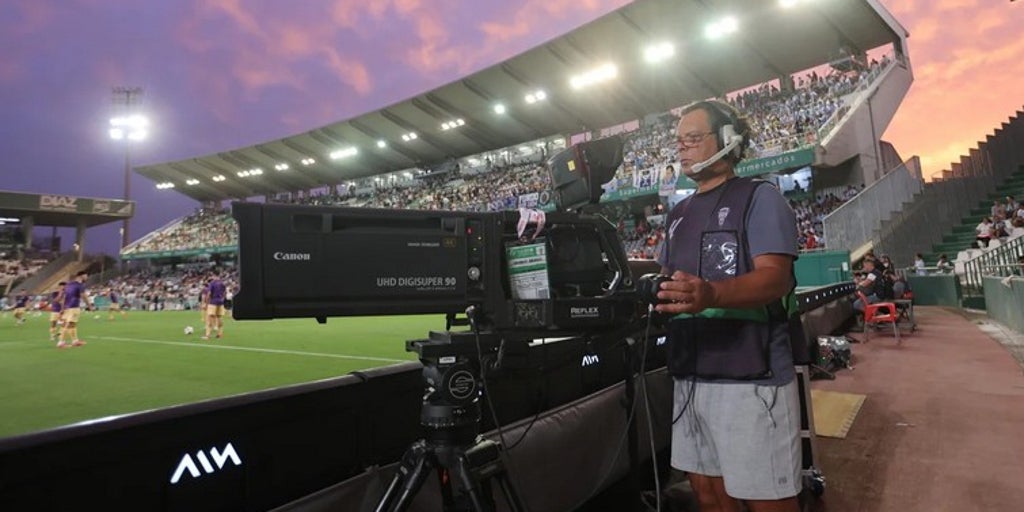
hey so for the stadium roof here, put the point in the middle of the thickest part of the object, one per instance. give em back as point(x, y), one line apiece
point(771, 41)
point(62, 211)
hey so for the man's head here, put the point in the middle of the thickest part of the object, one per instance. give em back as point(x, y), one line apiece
point(61, 284)
point(81, 276)
point(869, 265)
point(699, 137)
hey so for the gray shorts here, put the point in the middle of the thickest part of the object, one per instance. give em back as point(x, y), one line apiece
point(746, 433)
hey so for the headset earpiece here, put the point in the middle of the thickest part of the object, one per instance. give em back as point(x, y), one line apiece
point(727, 136)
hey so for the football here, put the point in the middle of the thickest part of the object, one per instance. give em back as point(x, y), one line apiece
point(189, 329)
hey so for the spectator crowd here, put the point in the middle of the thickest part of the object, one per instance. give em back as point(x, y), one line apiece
point(782, 120)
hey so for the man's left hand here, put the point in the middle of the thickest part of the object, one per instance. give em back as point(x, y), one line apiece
point(686, 293)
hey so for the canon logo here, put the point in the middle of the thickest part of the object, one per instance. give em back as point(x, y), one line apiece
point(291, 256)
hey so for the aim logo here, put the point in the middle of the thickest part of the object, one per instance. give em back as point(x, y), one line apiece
point(218, 458)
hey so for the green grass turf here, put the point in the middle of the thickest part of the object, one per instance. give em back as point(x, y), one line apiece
point(145, 361)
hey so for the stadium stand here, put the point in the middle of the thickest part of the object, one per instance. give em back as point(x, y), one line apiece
point(784, 120)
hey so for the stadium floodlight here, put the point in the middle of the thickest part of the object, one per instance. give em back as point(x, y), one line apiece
point(454, 123)
point(500, 109)
point(474, 161)
point(344, 153)
point(281, 167)
point(219, 178)
point(191, 182)
point(409, 136)
point(134, 127)
point(243, 174)
point(656, 53)
point(256, 171)
point(535, 96)
point(165, 185)
point(382, 144)
point(128, 126)
point(308, 161)
point(602, 73)
point(721, 28)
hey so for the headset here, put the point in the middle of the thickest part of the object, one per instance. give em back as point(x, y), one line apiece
point(730, 143)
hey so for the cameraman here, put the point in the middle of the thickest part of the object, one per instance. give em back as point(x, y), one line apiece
point(730, 253)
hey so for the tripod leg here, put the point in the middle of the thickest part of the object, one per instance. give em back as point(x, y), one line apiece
point(482, 501)
point(416, 464)
point(511, 496)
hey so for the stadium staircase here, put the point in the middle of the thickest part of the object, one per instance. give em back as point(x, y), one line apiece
point(38, 280)
point(64, 273)
point(962, 236)
point(971, 263)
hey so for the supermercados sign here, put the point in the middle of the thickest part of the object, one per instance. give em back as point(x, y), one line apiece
point(785, 161)
point(788, 160)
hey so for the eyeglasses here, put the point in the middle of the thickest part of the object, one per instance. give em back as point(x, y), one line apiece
point(692, 139)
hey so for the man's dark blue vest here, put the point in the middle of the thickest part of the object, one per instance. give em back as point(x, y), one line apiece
point(710, 238)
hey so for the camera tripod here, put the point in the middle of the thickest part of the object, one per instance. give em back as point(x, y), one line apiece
point(466, 463)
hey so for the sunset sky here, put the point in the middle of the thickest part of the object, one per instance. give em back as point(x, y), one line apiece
point(220, 74)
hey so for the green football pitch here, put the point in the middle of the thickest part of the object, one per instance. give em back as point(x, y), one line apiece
point(146, 361)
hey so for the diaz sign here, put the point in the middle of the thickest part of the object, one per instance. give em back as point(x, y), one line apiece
point(65, 203)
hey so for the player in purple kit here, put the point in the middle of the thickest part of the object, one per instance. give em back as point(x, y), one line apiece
point(213, 296)
point(20, 303)
point(73, 296)
point(56, 306)
point(115, 304)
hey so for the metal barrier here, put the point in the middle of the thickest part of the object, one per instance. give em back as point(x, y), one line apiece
point(855, 222)
point(996, 262)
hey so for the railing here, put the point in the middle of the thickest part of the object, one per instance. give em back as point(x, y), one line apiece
point(854, 223)
point(825, 132)
point(1000, 261)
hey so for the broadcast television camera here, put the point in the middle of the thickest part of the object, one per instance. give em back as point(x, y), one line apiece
point(515, 275)
point(306, 261)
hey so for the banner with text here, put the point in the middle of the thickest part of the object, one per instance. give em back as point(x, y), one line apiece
point(70, 204)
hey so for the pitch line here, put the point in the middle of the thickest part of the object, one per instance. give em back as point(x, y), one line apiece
point(254, 349)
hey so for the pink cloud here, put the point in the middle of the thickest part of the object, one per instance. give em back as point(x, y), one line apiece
point(531, 17)
point(262, 54)
point(35, 16)
point(11, 71)
point(967, 78)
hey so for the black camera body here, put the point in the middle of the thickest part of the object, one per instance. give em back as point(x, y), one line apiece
point(316, 262)
point(648, 286)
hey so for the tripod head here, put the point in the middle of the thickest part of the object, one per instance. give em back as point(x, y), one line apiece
point(452, 376)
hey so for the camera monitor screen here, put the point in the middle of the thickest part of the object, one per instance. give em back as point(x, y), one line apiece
point(578, 172)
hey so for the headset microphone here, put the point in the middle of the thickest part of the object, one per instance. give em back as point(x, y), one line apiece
point(734, 142)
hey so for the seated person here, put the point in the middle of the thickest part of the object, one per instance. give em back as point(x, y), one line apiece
point(896, 285)
point(871, 284)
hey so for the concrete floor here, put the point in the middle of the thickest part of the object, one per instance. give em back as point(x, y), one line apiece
point(942, 428)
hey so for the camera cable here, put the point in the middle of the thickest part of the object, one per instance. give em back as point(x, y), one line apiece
point(494, 415)
point(629, 421)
